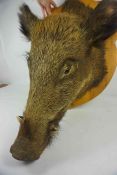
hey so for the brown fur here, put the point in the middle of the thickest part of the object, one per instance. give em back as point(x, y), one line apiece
point(66, 59)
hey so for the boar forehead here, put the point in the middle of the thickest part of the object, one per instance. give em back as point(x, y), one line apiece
point(58, 36)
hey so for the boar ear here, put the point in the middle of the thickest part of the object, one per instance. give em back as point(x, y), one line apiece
point(103, 21)
point(27, 20)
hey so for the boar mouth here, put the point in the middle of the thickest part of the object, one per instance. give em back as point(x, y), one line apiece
point(53, 126)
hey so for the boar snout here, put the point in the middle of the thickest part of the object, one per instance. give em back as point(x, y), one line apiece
point(20, 150)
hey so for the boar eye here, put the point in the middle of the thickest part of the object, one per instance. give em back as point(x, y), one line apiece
point(69, 67)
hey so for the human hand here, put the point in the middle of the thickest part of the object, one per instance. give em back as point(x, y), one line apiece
point(46, 6)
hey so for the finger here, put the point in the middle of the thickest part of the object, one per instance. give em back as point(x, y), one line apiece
point(48, 10)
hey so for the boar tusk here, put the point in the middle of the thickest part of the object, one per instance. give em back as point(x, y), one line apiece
point(20, 119)
point(53, 128)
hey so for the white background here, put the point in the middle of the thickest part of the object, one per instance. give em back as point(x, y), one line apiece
point(87, 141)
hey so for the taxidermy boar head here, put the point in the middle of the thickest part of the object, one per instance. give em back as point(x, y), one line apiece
point(66, 59)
